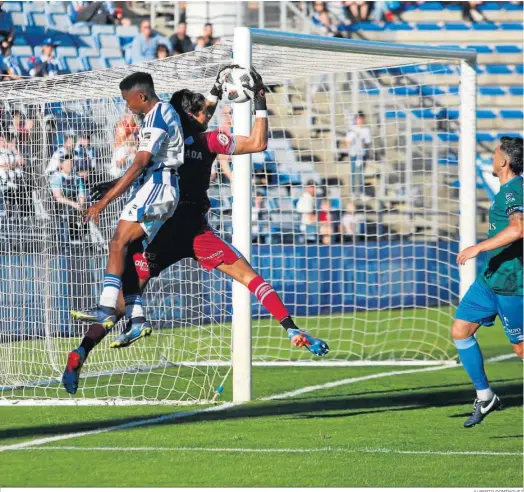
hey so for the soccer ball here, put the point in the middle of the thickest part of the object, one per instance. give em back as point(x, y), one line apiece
point(233, 85)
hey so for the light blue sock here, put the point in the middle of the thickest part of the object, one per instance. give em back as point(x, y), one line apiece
point(111, 289)
point(472, 360)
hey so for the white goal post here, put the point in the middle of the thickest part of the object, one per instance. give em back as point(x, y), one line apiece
point(369, 268)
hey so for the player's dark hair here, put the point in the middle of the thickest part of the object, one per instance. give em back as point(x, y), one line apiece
point(187, 102)
point(138, 80)
point(512, 147)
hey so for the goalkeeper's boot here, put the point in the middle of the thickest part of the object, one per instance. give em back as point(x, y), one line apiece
point(136, 328)
point(75, 361)
point(106, 316)
point(300, 338)
point(481, 409)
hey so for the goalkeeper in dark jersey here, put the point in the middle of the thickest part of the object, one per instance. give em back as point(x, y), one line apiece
point(498, 289)
point(187, 234)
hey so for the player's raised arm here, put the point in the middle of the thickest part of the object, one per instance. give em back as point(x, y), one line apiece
point(257, 141)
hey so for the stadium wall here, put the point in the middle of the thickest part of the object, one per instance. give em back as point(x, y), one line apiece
point(39, 290)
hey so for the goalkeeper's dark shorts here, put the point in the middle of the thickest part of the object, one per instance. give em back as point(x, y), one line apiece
point(185, 235)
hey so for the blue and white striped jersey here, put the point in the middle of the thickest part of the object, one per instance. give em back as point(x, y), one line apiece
point(161, 134)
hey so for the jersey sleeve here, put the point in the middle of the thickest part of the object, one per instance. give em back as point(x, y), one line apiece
point(55, 182)
point(220, 143)
point(152, 137)
point(513, 200)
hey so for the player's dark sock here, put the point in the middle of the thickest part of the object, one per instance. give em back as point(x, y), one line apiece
point(267, 296)
point(288, 324)
point(93, 337)
point(138, 319)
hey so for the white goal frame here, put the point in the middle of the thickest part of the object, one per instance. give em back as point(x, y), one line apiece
point(244, 39)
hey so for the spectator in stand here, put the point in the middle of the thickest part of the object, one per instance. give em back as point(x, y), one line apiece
point(258, 216)
point(180, 41)
point(358, 140)
point(84, 157)
point(307, 207)
point(350, 223)
point(323, 19)
point(162, 51)
point(143, 47)
point(327, 220)
point(209, 39)
point(126, 21)
point(127, 126)
point(387, 11)
point(11, 68)
point(7, 164)
point(68, 148)
point(93, 12)
point(47, 64)
point(200, 43)
point(123, 157)
point(358, 11)
point(11, 173)
point(69, 194)
point(471, 13)
point(7, 28)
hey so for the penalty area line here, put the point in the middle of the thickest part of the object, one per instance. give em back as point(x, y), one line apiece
point(224, 406)
point(271, 450)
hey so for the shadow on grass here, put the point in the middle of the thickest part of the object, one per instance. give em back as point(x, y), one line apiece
point(350, 405)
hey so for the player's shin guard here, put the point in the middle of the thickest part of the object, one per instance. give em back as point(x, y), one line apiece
point(109, 296)
point(473, 362)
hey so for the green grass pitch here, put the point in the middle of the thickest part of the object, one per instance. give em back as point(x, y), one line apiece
point(400, 430)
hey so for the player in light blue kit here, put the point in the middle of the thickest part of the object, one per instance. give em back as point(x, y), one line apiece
point(498, 289)
point(155, 194)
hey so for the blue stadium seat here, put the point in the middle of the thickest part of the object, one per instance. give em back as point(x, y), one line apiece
point(510, 6)
point(431, 90)
point(422, 137)
point(370, 91)
point(453, 114)
point(509, 134)
point(519, 69)
point(80, 29)
point(24, 61)
point(22, 51)
point(126, 34)
point(365, 26)
point(336, 204)
point(398, 26)
point(484, 26)
point(95, 63)
point(67, 51)
point(430, 6)
point(441, 69)
point(73, 64)
point(511, 113)
point(425, 113)
point(12, 6)
point(491, 91)
point(454, 89)
point(516, 91)
point(394, 114)
point(511, 26)
point(19, 19)
point(404, 91)
point(448, 137)
point(87, 42)
point(85, 52)
point(428, 26)
point(114, 62)
point(55, 8)
point(37, 19)
point(508, 48)
point(491, 6)
point(498, 69)
point(457, 26)
point(108, 41)
point(480, 48)
point(59, 21)
point(485, 114)
point(111, 52)
point(33, 7)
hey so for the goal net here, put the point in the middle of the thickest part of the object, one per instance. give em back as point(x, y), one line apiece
point(355, 219)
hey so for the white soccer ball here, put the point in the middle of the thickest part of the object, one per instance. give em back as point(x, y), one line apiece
point(233, 85)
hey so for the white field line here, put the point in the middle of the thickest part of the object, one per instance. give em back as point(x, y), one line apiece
point(269, 450)
point(224, 406)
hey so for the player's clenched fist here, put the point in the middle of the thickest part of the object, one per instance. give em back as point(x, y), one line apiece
point(93, 212)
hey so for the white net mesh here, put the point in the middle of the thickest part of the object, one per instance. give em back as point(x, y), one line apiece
point(363, 259)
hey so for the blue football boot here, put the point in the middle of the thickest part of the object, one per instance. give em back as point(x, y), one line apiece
point(300, 338)
point(75, 361)
point(136, 328)
point(106, 316)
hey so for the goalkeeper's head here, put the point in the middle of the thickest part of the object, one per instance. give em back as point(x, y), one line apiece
point(192, 109)
point(138, 91)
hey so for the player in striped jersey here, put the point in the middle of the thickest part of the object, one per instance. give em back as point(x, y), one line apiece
point(194, 237)
point(154, 176)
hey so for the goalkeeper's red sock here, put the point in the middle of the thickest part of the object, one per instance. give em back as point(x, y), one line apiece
point(93, 337)
point(267, 296)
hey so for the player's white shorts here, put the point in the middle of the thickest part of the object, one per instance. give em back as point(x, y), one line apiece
point(154, 202)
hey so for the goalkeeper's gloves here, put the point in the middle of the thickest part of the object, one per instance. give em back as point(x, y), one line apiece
point(216, 91)
point(259, 90)
point(98, 191)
